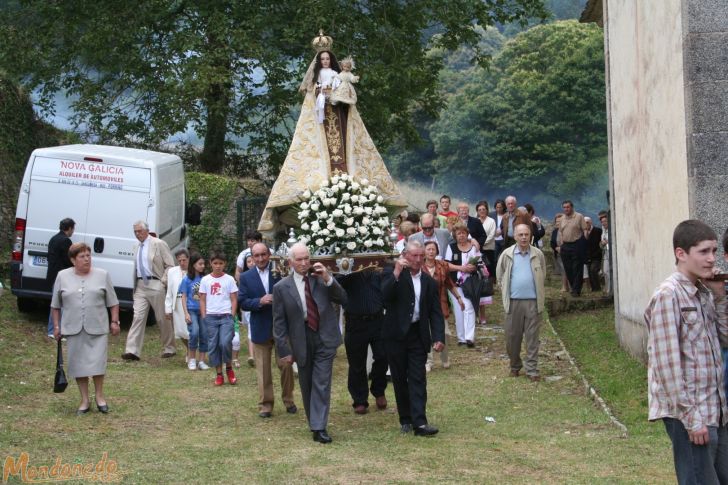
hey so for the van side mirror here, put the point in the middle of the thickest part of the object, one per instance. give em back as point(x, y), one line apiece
point(193, 214)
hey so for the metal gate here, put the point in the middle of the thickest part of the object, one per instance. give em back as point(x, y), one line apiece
point(249, 211)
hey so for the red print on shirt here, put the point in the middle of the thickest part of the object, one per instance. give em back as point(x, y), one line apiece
point(215, 288)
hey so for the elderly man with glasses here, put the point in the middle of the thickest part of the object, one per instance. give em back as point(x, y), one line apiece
point(431, 233)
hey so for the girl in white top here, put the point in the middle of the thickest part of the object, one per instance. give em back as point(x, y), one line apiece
point(173, 307)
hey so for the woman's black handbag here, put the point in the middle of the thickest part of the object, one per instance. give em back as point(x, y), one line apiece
point(60, 383)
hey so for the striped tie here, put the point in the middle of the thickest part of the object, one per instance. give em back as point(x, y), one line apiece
point(312, 313)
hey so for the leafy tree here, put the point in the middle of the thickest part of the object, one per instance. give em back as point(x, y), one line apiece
point(140, 71)
point(535, 121)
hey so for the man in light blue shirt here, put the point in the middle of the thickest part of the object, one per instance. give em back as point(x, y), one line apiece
point(521, 272)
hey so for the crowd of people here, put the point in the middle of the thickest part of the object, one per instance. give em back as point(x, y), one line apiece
point(397, 317)
point(393, 321)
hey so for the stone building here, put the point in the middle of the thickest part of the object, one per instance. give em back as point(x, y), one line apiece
point(667, 97)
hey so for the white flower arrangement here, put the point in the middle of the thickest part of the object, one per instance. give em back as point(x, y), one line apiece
point(354, 222)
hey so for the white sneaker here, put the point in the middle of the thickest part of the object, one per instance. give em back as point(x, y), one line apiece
point(202, 366)
point(428, 367)
point(192, 364)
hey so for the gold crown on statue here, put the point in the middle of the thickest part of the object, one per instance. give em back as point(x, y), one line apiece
point(322, 42)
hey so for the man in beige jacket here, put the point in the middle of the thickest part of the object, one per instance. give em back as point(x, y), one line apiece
point(152, 258)
point(521, 272)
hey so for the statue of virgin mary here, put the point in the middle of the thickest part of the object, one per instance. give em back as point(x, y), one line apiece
point(328, 137)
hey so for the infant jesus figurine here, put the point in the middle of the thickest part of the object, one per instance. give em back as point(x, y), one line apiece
point(345, 92)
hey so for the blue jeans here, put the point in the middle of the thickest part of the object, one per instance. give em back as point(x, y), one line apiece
point(220, 329)
point(198, 331)
point(698, 464)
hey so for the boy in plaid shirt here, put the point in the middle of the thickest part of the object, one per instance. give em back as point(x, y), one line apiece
point(687, 323)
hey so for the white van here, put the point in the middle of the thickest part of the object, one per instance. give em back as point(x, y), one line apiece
point(104, 189)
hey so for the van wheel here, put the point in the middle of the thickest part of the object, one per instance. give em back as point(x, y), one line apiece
point(26, 305)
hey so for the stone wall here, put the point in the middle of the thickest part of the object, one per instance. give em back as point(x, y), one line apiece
point(668, 133)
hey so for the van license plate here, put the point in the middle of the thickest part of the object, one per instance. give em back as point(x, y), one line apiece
point(40, 261)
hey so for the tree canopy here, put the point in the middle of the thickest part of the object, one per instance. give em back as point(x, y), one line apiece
point(534, 122)
point(140, 71)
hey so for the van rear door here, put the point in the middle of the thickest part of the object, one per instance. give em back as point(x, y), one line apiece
point(118, 198)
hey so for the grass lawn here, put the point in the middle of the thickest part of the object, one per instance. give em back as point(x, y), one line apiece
point(170, 425)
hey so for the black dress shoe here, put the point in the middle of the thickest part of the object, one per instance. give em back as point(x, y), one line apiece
point(292, 409)
point(265, 414)
point(470, 344)
point(81, 412)
point(322, 436)
point(426, 430)
point(460, 344)
point(129, 356)
point(103, 408)
point(405, 428)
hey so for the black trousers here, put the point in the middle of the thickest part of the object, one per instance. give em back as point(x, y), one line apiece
point(594, 279)
point(407, 364)
point(573, 265)
point(361, 332)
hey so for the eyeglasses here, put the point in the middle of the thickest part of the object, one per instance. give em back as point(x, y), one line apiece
point(427, 228)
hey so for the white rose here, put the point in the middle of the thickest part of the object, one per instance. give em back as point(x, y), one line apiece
point(335, 189)
point(368, 243)
point(372, 196)
point(363, 230)
point(305, 226)
point(351, 245)
point(364, 182)
point(368, 211)
point(304, 205)
point(349, 221)
point(303, 214)
point(355, 198)
point(337, 213)
point(366, 221)
point(331, 226)
point(325, 232)
point(340, 233)
point(366, 191)
point(347, 209)
point(376, 231)
point(342, 185)
point(345, 196)
point(315, 207)
point(315, 226)
point(355, 186)
point(351, 231)
point(380, 242)
point(323, 215)
point(333, 201)
point(358, 211)
point(380, 199)
point(319, 242)
point(307, 194)
point(334, 180)
point(337, 249)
